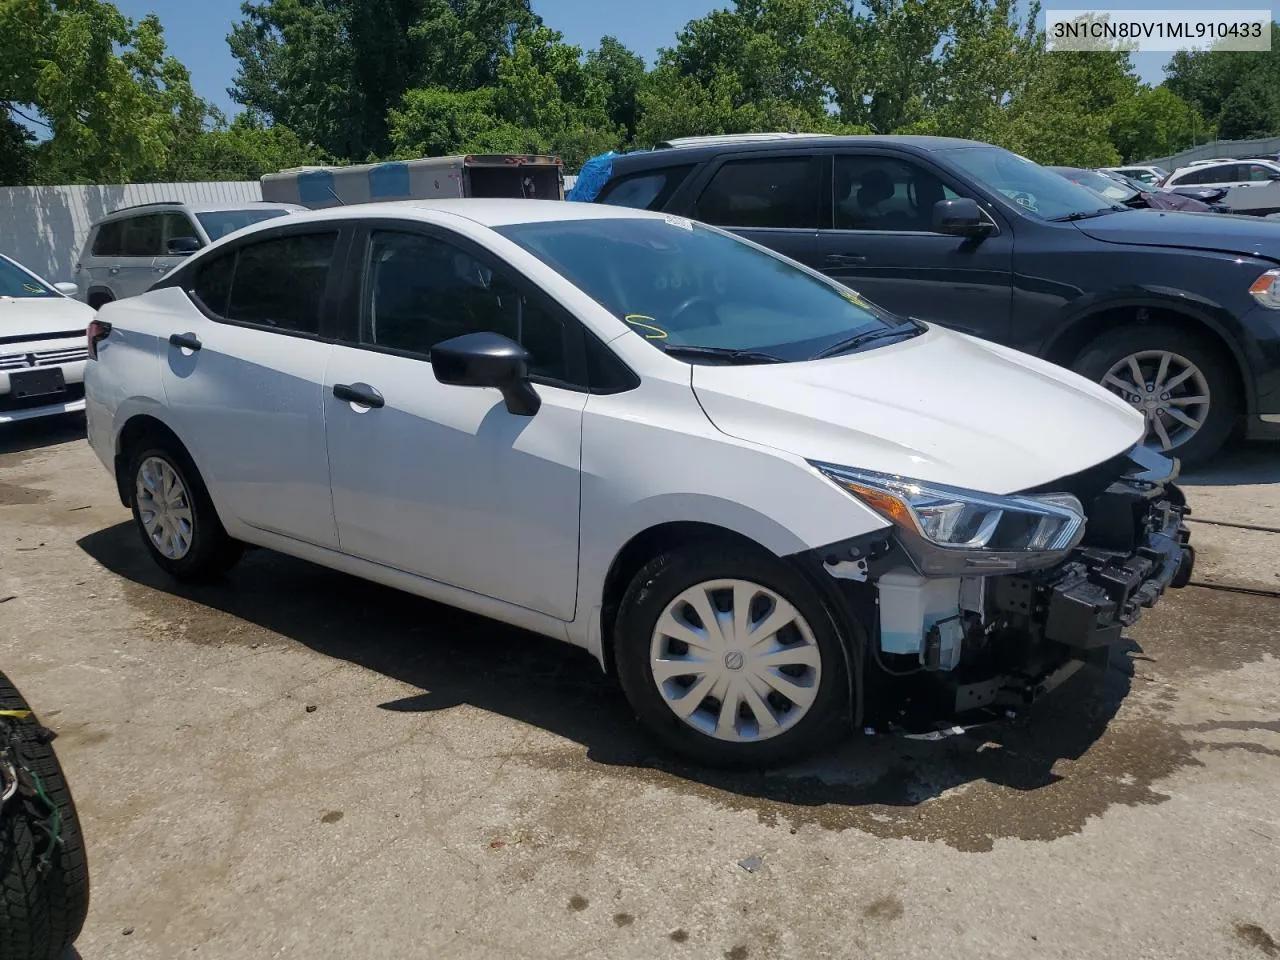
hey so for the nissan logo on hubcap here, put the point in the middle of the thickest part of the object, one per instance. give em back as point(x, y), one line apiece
point(733, 660)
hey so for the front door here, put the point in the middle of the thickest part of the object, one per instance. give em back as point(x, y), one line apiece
point(244, 374)
point(442, 481)
point(882, 244)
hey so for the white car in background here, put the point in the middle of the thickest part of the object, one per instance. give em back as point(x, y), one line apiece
point(42, 345)
point(759, 499)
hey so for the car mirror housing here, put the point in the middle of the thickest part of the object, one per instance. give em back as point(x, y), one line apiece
point(961, 217)
point(486, 359)
point(181, 246)
point(67, 288)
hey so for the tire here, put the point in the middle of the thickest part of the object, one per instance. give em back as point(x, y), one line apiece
point(209, 552)
point(658, 585)
point(1114, 346)
point(40, 916)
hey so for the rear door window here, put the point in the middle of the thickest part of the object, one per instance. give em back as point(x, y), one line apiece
point(279, 283)
point(143, 236)
point(763, 192)
point(107, 241)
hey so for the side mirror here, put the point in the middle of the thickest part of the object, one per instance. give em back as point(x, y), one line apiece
point(488, 360)
point(181, 246)
point(961, 217)
point(66, 288)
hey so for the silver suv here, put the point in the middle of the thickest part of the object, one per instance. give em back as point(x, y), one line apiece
point(131, 248)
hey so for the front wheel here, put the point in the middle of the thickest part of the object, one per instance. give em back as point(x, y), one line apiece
point(1179, 382)
point(730, 659)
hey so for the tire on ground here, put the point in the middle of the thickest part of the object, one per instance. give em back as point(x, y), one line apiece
point(40, 916)
point(1099, 356)
point(212, 551)
point(658, 583)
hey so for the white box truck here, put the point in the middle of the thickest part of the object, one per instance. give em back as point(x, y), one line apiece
point(427, 178)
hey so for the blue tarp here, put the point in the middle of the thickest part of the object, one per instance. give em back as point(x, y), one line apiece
point(592, 177)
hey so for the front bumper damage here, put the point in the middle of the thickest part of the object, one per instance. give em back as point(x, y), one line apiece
point(1016, 637)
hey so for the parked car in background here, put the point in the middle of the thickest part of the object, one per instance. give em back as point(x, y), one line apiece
point(1253, 186)
point(131, 248)
point(1175, 312)
point(1114, 188)
point(42, 345)
point(1150, 175)
point(647, 437)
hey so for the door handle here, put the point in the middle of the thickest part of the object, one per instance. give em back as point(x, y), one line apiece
point(360, 393)
point(186, 340)
point(113, 271)
point(844, 260)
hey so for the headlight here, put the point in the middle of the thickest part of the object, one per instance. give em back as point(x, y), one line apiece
point(949, 531)
point(1266, 289)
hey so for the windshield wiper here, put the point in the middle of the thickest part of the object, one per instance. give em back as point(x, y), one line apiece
point(870, 336)
point(1084, 214)
point(721, 353)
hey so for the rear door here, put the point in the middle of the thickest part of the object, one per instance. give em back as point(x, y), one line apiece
point(141, 242)
point(881, 242)
point(771, 197)
point(244, 373)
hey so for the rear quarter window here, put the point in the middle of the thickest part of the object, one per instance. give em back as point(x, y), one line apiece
point(647, 190)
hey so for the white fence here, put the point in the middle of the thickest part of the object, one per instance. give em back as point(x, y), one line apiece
point(44, 228)
point(1218, 148)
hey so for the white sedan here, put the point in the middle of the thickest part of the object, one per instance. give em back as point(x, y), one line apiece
point(42, 345)
point(761, 501)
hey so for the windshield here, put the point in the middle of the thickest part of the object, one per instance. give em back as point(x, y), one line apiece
point(1037, 189)
point(218, 223)
point(681, 284)
point(1109, 187)
point(16, 282)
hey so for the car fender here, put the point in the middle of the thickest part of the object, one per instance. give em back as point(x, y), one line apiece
point(1072, 330)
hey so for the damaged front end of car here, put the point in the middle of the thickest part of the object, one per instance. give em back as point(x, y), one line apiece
point(981, 604)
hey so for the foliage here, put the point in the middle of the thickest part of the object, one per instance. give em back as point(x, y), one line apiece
point(355, 80)
point(112, 103)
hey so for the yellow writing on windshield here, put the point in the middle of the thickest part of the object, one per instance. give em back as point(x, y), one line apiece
point(636, 320)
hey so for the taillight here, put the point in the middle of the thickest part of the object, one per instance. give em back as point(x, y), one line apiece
point(96, 333)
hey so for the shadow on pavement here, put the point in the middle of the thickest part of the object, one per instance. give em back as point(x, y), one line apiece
point(1239, 465)
point(28, 435)
point(456, 658)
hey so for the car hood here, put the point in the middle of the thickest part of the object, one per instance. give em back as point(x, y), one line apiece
point(39, 316)
point(942, 406)
point(1225, 233)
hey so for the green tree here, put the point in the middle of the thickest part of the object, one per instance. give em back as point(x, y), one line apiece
point(1155, 122)
point(620, 73)
point(332, 70)
point(113, 103)
point(1235, 90)
point(245, 149)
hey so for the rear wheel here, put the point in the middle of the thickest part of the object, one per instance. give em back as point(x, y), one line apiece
point(1176, 379)
point(729, 658)
point(175, 516)
point(44, 875)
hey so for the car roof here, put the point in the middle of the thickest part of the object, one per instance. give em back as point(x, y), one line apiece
point(488, 212)
point(696, 153)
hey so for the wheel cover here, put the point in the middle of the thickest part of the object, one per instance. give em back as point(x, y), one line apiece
point(164, 508)
point(1166, 388)
point(735, 660)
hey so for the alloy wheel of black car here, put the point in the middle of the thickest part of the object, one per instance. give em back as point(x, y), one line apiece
point(44, 875)
point(1178, 382)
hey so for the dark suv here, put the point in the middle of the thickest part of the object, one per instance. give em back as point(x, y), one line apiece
point(1177, 312)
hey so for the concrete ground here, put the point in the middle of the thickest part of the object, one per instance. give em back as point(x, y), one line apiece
point(301, 765)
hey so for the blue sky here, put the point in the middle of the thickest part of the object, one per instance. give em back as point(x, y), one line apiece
point(196, 29)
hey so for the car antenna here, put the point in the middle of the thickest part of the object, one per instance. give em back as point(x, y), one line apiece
point(333, 193)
